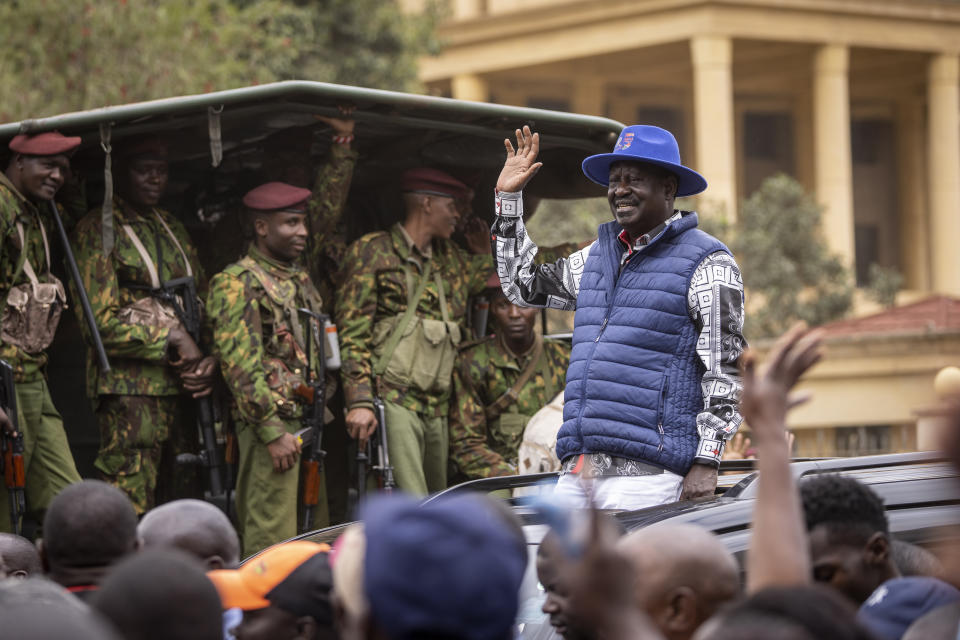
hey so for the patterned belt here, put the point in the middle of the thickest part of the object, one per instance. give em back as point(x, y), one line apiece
point(602, 465)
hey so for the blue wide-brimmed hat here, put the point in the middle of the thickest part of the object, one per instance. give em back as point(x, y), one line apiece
point(653, 145)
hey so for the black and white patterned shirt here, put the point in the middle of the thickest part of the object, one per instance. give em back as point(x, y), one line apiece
point(714, 302)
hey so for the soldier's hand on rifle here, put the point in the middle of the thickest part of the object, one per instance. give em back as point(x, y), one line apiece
point(284, 452)
point(521, 165)
point(361, 423)
point(7, 424)
point(199, 380)
point(184, 349)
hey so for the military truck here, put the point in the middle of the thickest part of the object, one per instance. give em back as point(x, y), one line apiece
point(226, 142)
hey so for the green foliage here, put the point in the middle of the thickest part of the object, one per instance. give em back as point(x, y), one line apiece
point(884, 283)
point(787, 267)
point(67, 55)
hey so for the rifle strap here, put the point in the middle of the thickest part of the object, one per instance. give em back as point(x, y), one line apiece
point(106, 210)
point(413, 299)
point(509, 397)
point(145, 255)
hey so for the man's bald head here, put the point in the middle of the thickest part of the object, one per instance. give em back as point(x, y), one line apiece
point(19, 556)
point(684, 574)
point(88, 524)
point(194, 526)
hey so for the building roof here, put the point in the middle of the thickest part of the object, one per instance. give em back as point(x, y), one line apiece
point(938, 314)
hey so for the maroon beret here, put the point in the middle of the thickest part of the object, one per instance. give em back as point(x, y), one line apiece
point(433, 181)
point(276, 195)
point(48, 143)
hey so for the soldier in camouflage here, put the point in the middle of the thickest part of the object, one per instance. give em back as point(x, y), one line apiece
point(260, 341)
point(33, 299)
point(498, 384)
point(399, 313)
point(153, 359)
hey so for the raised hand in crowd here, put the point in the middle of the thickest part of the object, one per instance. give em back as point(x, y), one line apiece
point(778, 554)
point(521, 164)
point(738, 448)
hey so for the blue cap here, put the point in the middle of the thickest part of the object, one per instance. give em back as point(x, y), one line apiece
point(649, 144)
point(452, 566)
point(899, 602)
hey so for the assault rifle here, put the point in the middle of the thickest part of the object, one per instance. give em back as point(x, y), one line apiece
point(12, 447)
point(313, 395)
point(81, 291)
point(181, 295)
point(378, 443)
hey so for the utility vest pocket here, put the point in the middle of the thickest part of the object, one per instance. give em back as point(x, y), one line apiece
point(507, 433)
point(424, 355)
point(32, 313)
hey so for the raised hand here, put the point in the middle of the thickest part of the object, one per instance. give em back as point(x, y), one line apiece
point(766, 396)
point(341, 126)
point(521, 164)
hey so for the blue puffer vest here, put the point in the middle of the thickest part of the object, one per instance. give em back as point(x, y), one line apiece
point(633, 385)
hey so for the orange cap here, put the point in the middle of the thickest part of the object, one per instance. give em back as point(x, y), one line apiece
point(246, 588)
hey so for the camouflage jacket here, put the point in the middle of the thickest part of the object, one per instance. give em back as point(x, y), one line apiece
point(14, 207)
point(327, 244)
point(260, 355)
point(482, 447)
point(374, 287)
point(137, 353)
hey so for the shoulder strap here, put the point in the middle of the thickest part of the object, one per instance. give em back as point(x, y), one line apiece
point(142, 250)
point(494, 409)
point(408, 315)
point(27, 267)
point(176, 243)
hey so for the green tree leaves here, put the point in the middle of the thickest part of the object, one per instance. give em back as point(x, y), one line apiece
point(68, 55)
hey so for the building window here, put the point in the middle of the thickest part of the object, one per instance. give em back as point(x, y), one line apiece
point(768, 147)
point(863, 441)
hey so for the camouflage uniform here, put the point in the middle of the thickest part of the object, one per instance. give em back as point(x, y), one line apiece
point(483, 446)
point(48, 462)
point(136, 402)
point(374, 289)
point(262, 356)
point(327, 244)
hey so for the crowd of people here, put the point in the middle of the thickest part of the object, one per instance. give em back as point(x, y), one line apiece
point(821, 564)
point(657, 380)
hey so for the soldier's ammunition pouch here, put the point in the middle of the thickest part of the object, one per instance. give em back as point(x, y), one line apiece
point(423, 356)
point(32, 310)
point(415, 352)
point(149, 312)
point(284, 383)
point(32, 313)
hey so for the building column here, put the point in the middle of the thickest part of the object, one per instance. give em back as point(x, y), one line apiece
point(832, 160)
point(943, 171)
point(913, 209)
point(469, 86)
point(713, 117)
point(589, 96)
